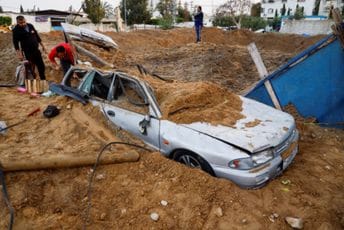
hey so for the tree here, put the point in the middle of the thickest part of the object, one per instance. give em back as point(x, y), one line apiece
point(298, 13)
point(183, 14)
point(137, 11)
point(289, 11)
point(1, 10)
point(94, 9)
point(21, 9)
point(315, 10)
point(166, 7)
point(109, 10)
point(256, 9)
point(283, 10)
point(276, 13)
point(235, 9)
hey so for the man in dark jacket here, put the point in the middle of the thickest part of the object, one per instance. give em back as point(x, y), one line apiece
point(26, 35)
point(198, 17)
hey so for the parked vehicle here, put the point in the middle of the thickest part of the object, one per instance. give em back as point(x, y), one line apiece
point(248, 156)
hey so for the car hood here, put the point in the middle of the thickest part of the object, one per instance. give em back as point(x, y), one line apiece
point(263, 127)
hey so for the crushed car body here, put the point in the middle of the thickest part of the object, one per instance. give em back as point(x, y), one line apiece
point(249, 154)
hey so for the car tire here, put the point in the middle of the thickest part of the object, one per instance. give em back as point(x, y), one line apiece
point(192, 160)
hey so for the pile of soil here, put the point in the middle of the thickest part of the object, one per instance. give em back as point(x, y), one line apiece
point(125, 195)
point(185, 103)
point(221, 58)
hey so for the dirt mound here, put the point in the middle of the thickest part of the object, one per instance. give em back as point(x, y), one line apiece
point(198, 102)
point(124, 195)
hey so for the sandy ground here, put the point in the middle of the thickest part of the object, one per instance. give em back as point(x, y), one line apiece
point(124, 195)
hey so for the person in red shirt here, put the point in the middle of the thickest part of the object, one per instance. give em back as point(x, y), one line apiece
point(62, 51)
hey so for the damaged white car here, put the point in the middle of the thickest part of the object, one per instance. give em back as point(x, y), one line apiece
point(250, 151)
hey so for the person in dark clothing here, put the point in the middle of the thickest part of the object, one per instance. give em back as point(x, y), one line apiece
point(25, 35)
point(198, 17)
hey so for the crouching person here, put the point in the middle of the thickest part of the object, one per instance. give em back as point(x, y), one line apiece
point(62, 51)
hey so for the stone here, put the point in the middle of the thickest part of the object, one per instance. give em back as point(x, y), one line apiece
point(296, 223)
point(164, 203)
point(102, 216)
point(154, 216)
point(218, 212)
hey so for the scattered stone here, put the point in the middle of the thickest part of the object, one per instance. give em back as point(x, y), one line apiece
point(100, 177)
point(286, 182)
point(273, 217)
point(218, 212)
point(244, 221)
point(102, 216)
point(313, 135)
point(123, 211)
point(327, 167)
point(154, 216)
point(164, 203)
point(69, 106)
point(296, 223)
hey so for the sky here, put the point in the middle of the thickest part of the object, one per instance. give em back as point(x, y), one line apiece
point(208, 6)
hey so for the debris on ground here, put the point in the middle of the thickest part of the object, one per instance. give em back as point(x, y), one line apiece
point(131, 192)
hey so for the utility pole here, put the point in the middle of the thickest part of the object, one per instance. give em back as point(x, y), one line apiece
point(125, 14)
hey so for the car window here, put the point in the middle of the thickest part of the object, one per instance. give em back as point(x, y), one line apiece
point(129, 95)
point(85, 86)
point(100, 86)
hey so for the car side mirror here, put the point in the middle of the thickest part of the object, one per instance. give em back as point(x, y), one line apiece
point(144, 124)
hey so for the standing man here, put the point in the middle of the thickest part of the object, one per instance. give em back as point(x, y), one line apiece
point(26, 35)
point(62, 51)
point(198, 17)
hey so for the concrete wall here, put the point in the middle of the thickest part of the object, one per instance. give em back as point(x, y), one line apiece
point(311, 27)
point(99, 27)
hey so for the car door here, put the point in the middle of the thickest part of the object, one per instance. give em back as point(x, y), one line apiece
point(128, 108)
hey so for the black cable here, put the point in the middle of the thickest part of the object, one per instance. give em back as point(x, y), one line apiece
point(89, 189)
point(7, 201)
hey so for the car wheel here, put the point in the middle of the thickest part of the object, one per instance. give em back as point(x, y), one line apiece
point(192, 160)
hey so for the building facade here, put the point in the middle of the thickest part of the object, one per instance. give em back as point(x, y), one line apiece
point(270, 7)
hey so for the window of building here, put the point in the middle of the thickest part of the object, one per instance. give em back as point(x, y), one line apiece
point(270, 11)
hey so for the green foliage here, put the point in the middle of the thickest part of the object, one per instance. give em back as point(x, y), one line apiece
point(298, 13)
point(342, 11)
point(254, 23)
point(166, 22)
point(165, 8)
point(275, 23)
point(5, 21)
point(283, 10)
point(154, 21)
point(1, 10)
point(315, 10)
point(276, 13)
point(248, 22)
point(95, 10)
point(256, 9)
point(183, 15)
point(21, 9)
point(223, 21)
point(288, 12)
point(137, 11)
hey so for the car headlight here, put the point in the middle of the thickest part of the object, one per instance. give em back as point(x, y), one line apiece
point(253, 161)
point(262, 157)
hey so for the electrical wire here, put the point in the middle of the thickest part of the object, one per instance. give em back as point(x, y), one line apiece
point(91, 178)
point(7, 200)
